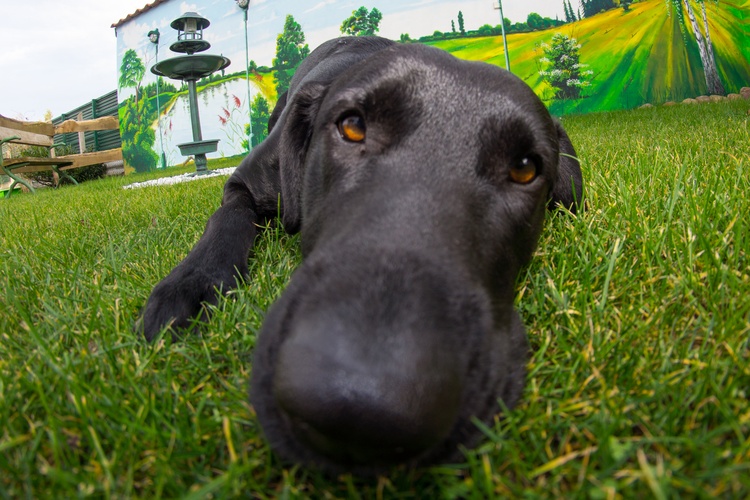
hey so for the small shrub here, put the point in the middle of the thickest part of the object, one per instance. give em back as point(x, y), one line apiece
point(562, 68)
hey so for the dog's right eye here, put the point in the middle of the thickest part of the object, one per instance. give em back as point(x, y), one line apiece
point(524, 172)
point(352, 128)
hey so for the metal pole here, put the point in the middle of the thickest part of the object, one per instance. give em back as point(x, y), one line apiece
point(505, 40)
point(158, 115)
point(247, 78)
point(195, 121)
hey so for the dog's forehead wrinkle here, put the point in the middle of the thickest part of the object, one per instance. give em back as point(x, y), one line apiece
point(439, 81)
point(453, 118)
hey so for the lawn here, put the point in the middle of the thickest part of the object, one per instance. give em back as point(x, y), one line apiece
point(638, 315)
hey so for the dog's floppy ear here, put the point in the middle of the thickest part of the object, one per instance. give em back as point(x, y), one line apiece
point(568, 190)
point(277, 110)
point(297, 123)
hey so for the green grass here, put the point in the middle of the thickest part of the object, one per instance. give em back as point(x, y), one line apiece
point(638, 316)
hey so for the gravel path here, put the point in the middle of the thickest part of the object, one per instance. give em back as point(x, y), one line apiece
point(164, 181)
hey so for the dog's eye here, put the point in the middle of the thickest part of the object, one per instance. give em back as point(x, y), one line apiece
point(352, 128)
point(524, 172)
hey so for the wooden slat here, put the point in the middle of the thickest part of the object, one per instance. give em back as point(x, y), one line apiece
point(33, 133)
point(103, 123)
point(25, 137)
point(64, 162)
point(84, 159)
point(42, 128)
point(34, 164)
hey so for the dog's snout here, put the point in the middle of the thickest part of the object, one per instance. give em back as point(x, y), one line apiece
point(360, 406)
point(369, 371)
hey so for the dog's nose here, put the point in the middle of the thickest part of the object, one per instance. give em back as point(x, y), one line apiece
point(377, 402)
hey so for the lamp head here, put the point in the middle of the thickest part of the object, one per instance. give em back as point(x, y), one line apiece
point(189, 28)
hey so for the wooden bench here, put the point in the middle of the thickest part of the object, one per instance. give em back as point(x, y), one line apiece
point(42, 134)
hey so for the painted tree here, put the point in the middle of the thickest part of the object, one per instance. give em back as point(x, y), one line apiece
point(362, 22)
point(258, 120)
point(291, 49)
point(593, 7)
point(705, 46)
point(562, 69)
point(461, 27)
point(535, 21)
point(137, 141)
point(131, 72)
point(570, 15)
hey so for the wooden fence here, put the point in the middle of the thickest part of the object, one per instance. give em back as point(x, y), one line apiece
point(96, 140)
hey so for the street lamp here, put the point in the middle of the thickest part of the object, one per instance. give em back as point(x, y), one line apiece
point(499, 5)
point(153, 37)
point(244, 4)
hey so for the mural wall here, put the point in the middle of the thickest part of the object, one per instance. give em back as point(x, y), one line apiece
point(603, 55)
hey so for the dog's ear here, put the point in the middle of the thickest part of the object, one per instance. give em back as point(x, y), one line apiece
point(277, 110)
point(297, 124)
point(568, 190)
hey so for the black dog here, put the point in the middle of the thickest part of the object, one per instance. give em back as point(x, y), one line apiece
point(419, 183)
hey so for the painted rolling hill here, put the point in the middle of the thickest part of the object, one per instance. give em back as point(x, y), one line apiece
point(637, 56)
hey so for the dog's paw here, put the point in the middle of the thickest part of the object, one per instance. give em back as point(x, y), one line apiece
point(179, 300)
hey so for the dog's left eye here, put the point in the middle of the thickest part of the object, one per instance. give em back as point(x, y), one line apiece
point(352, 128)
point(523, 172)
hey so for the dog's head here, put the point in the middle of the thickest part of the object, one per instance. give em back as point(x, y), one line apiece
point(420, 184)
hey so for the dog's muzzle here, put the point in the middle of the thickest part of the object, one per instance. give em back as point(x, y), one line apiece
point(371, 359)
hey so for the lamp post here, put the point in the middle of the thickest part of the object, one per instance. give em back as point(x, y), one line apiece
point(244, 4)
point(153, 36)
point(191, 68)
point(499, 5)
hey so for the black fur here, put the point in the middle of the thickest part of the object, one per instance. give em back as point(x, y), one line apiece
point(399, 326)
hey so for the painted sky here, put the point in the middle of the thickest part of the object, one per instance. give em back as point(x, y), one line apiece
point(59, 55)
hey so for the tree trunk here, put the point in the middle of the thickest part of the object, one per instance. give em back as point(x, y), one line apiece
point(718, 86)
point(706, 52)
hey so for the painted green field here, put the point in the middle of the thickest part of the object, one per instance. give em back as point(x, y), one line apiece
point(637, 56)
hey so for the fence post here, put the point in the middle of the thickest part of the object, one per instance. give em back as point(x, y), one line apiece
point(81, 135)
point(96, 132)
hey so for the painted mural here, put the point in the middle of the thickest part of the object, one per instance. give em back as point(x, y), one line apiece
point(601, 55)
